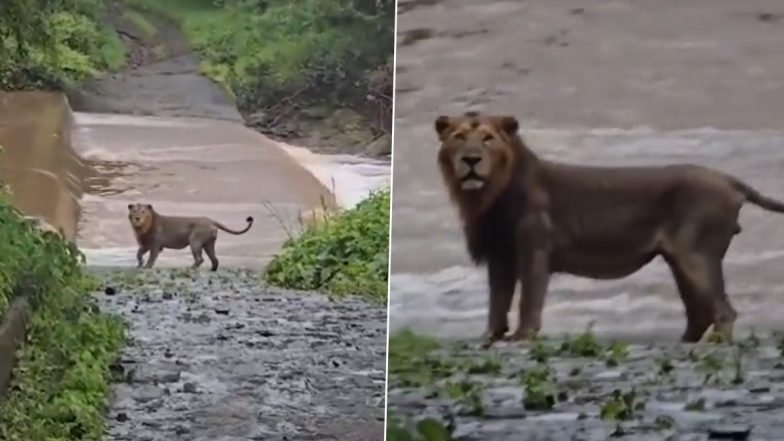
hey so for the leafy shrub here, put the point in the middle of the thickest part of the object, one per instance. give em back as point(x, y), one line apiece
point(60, 383)
point(347, 254)
point(50, 43)
point(265, 51)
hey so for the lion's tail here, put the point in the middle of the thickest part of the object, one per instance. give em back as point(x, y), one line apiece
point(249, 220)
point(757, 198)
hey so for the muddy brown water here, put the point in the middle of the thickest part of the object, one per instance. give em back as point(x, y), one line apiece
point(83, 179)
point(612, 82)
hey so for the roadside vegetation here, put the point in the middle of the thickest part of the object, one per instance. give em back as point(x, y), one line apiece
point(62, 376)
point(346, 253)
point(278, 57)
point(52, 44)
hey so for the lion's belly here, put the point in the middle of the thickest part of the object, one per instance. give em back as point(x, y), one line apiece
point(611, 258)
point(600, 266)
point(176, 242)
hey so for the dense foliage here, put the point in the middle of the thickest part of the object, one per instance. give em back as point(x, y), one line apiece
point(60, 383)
point(346, 255)
point(279, 55)
point(51, 43)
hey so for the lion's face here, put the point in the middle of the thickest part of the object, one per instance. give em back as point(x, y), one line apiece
point(476, 150)
point(140, 216)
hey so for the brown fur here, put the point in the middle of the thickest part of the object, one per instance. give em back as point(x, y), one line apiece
point(528, 218)
point(154, 232)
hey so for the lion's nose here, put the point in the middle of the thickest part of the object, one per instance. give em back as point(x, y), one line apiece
point(472, 160)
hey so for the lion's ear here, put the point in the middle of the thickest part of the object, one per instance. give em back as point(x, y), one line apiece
point(130, 207)
point(442, 123)
point(149, 207)
point(509, 125)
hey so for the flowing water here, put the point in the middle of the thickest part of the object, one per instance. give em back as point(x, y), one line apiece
point(83, 179)
point(210, 355)
point(617, 82)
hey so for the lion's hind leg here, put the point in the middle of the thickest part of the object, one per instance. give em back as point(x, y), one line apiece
point(700, 278)
point(196, 248)
point(209, 248)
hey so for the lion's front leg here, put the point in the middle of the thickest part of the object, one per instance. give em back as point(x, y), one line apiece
point(140, 256)
point(154, 252)
point(502, 278)
point(534, 265)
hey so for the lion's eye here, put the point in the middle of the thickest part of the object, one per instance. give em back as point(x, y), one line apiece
point(460, 136)
point(488, 137)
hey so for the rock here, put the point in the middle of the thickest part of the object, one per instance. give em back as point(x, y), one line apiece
point(110, 291)
point(189, 388)
point(729, 431)
point(222, 310)
point(122, 417)
point(168, 296)
point(380, 147)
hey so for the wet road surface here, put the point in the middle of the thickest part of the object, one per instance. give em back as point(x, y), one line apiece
point(187, 166)
point(614, 82)
point(214, 357)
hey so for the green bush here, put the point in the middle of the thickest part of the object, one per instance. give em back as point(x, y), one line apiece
point(348, 254)
point(60, 383)
point(264, 51)
point(51, 43)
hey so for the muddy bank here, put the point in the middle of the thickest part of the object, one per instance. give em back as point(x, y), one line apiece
point(213, 356)
point(653, 392)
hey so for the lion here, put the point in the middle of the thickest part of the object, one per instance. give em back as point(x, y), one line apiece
point(527, 218)
point(154, 232)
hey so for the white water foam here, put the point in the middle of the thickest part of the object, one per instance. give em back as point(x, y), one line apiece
point(350, 178)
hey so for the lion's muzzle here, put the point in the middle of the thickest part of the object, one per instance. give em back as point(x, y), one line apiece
point(471, 169)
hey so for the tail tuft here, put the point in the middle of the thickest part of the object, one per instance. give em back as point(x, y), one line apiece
point(249, 219)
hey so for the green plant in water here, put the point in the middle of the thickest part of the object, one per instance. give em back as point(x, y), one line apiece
point(616, 353)
point(426, 429)
point(712, 364)
point(414, 360)
point(621, 406)
point(539, 389)
point(488, 365)
point(541, 350)
point(697, 405)
point(584, 345)
point(467, 395)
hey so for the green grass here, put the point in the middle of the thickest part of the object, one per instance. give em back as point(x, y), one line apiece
point(61, 381)
point(148, 30)
point(347, 254)
point(264, 54)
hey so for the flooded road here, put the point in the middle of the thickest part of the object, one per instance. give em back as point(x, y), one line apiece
point(616, 82)
point(215, 357)
point(79, 171)
point(188, 166)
